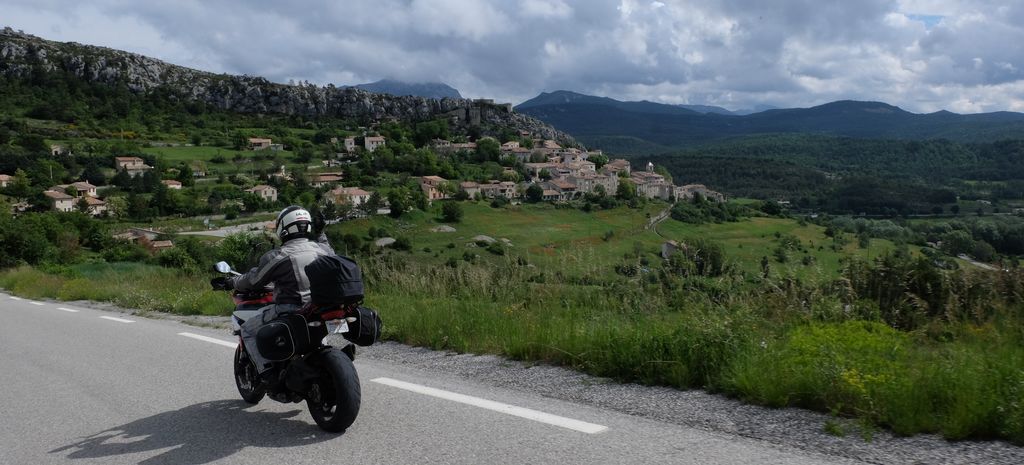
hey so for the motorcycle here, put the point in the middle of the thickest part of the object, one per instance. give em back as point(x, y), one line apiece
point(311, 369)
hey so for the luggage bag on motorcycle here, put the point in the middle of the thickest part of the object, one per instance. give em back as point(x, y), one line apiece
point(286, 336)
point(335, 280)
point(366, 329)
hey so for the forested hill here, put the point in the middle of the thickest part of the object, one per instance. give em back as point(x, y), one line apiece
point(844, 174)
point(647, 127)
point(56, 71)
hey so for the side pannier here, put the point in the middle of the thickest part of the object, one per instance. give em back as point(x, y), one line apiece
point(284, 337)
point(366, 329)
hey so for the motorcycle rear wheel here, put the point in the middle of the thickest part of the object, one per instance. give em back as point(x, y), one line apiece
point(335, 396)
point(246, 378)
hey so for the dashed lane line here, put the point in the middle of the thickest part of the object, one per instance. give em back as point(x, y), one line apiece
point(119, 320)
point(529, 414)
point(210, 340)
point(14, 298)
point(67, 309)
point(36, 303)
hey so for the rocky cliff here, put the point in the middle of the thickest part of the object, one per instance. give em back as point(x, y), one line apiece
point(22, 54)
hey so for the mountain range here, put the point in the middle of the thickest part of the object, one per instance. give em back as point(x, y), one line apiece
point(33, 62)
point(436, 90)
point(648, 127)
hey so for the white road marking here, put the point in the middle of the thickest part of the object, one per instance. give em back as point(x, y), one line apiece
point(67, 309)
point(119, 320)
point(210, 339)
point(14, 298)
point(36, 303)
point(521, 412)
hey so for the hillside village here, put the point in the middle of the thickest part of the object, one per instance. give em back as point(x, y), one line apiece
point(564, 175)
point(559, 174)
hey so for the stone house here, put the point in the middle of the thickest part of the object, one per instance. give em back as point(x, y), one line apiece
point(96, 207)
point(371, 143)
point(471, 188)
point(495, 189)
point(690, 190)
point(81, 188)
point(171, 184)
point(651, 185)
point(616, 166)
point(324, 179)
point(265, 192)
point(533, 169)
point(61, 201)
point(133, 165)
point(566, 190)
point(589, 182)
point(353, 196)
point(259, 143)
point(350, 144)
point(5, 179)
point(431, 186)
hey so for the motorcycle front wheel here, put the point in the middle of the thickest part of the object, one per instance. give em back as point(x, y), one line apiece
point(246, 378)
point(334, 397)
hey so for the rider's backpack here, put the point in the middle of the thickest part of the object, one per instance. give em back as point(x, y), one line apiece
point(334, 279)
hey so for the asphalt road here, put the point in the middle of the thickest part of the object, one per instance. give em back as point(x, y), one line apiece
point(79, 387)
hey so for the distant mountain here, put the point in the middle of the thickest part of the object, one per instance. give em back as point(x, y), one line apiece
point(50, 68)
point(566, 98)
point(707, 109)
point(647, 127)
point(417, 89)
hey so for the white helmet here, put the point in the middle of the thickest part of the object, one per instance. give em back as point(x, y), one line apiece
point(293, 222)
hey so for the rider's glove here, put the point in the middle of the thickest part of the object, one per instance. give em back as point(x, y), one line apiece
point(221, 283)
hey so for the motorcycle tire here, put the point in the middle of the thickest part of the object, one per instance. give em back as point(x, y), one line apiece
point(335, 396)
point(246, 378)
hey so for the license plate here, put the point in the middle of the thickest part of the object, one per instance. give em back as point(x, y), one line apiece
point(337, 326)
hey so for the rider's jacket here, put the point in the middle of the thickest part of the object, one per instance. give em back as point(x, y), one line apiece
point(285, 267)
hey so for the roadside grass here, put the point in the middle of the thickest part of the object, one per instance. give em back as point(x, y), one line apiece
point(128, 285)
point(763, 350)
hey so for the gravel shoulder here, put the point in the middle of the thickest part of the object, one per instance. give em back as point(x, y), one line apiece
point(783, 428)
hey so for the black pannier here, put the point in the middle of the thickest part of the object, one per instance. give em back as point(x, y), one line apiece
point(366, 329)
point(286, 336)
point(334, 279)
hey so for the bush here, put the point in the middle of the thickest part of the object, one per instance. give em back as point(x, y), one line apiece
point(451, 212)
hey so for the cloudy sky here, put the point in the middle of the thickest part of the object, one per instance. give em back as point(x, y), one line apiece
point(922, 55)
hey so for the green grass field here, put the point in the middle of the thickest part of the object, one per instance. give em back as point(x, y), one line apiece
point(579, 243)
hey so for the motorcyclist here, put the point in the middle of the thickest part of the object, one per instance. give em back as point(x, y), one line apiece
point(285, 268)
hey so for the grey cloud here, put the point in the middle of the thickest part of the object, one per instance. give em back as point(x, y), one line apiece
point(737, 53)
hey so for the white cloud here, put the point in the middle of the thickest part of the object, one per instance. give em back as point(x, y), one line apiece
point(922, 55)
point(549, 9)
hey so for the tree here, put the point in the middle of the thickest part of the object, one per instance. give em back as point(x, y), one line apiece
point(372, 204)
point(598, 159)
point(94, 175)
point(534, 193)
point(451, 212)
point(82, 205)
point(488, 150)
point(626, 190)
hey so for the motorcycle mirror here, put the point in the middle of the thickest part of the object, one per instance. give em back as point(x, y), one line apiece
point(223, 267)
